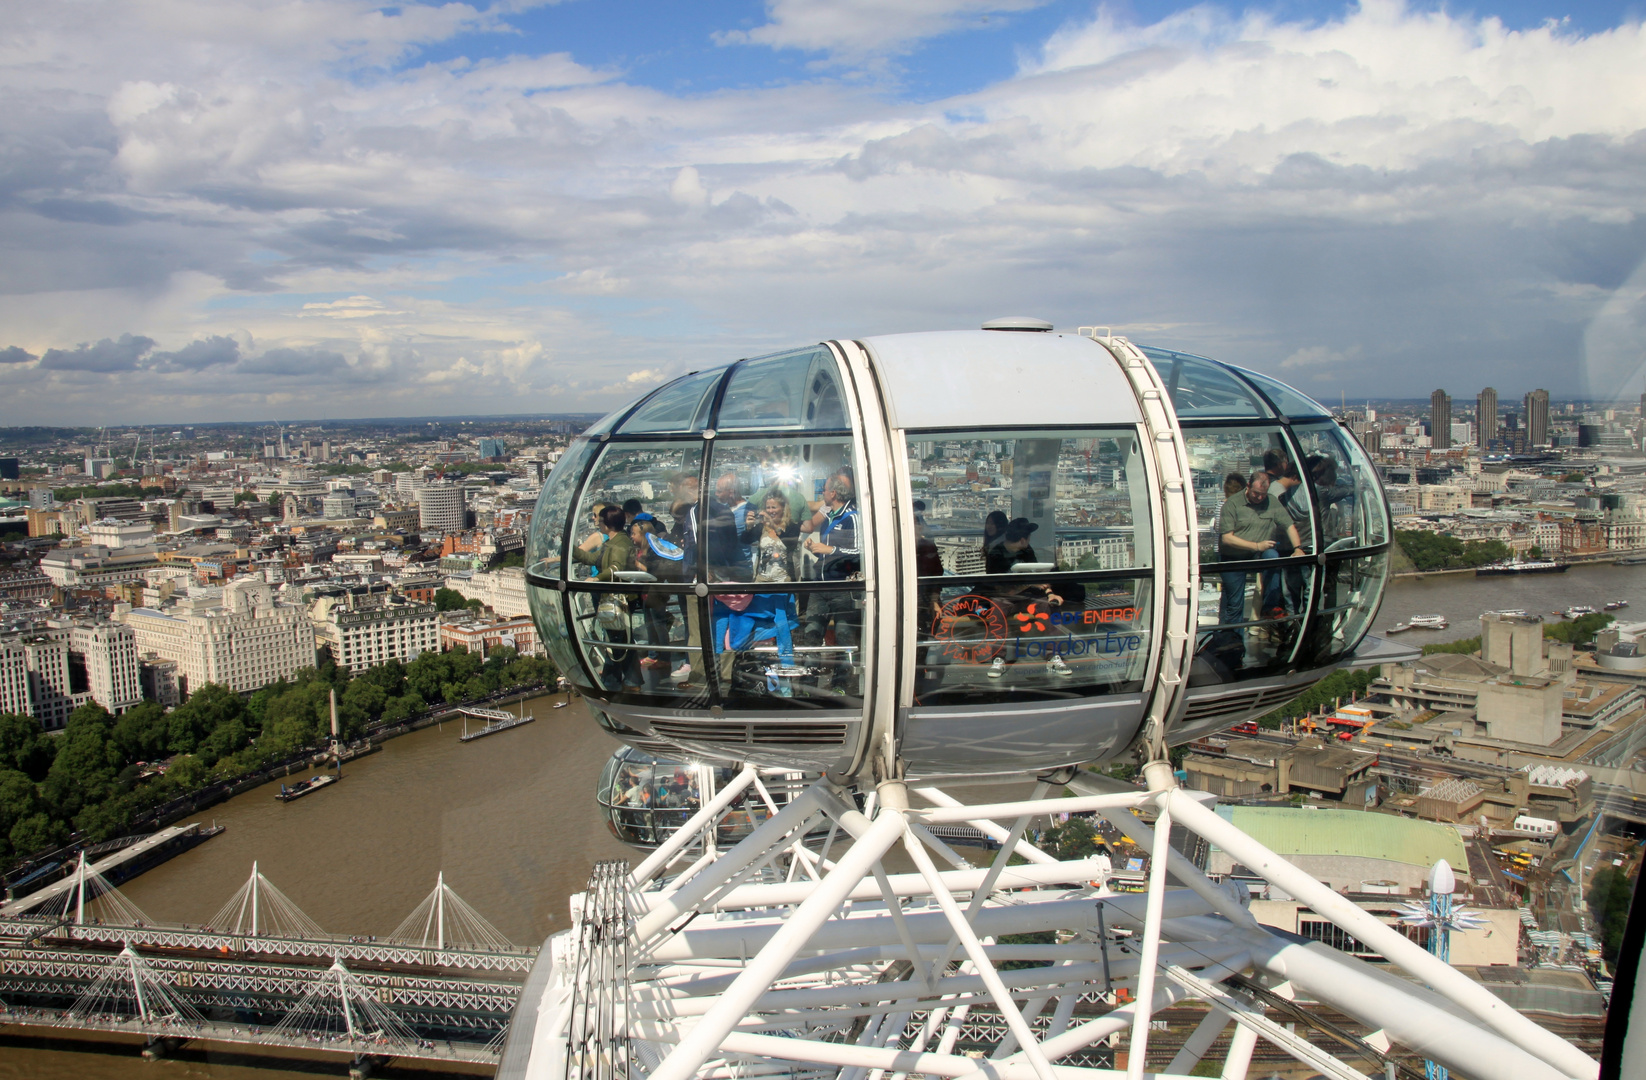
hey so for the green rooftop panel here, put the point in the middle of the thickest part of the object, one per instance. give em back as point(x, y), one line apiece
point(1290, 832)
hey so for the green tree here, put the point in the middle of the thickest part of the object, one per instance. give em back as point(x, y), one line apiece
point(448, 599)
point(37, 832)
point(1436, 551)
point(1463, 648)
point(1339, 684)
point(25, 746)
point(186, 773)
point(18, 800)
point(1609, 895)
point(244, 497)
point(1580, 631)
point(141, 733)
point(87, 763)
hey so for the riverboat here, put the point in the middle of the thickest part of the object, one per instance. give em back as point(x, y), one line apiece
point(1633, 560)
point(1429, 622)
point(1526, 566)
point(1577, 611)
point(306, 787)
point(1614, 605)
point(1397, 628)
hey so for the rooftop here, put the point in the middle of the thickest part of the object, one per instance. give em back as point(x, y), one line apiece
point(1290, 832)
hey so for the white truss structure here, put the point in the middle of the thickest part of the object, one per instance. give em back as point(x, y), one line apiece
point(444, 920)
point(339, 1008)
point(128, 990)
point(91, 896)
point(769, 959)
point(258, 909)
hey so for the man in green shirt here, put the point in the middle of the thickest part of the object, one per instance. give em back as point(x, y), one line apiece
point(1248, 528)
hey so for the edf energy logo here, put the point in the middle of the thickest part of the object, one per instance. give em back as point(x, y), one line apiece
point(975, 629)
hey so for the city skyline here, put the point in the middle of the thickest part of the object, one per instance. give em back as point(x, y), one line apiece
point(345, 210)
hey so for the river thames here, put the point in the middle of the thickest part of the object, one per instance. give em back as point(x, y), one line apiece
point(512, 822)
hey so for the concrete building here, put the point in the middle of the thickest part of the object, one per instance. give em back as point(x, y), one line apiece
point(14, 679)
point(108, 654)
point(440, 508)
point(246, 644)
point(1440, 420)
point(161, 679)
point(480, 635)
point(51, 695)
point(116, 535)
point(95, 566)
point(371, 630)
point(49, 673)
point(1486, 422)
point(1537, 418)
point(504, 591)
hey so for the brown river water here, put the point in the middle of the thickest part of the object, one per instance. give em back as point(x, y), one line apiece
point(511, 819)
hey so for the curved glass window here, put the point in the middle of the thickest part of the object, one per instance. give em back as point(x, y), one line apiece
point(799, 390)
point(553, 503)
point(1352, 513)
point(782, 511)
point(654, 482)
point(1256, 530)
point(1234, 521)
point(1079, 501)
point(1290, 403)
point(636, 524)
point(1350, 592)
point(1201, 389)
point(681, 406)
point(783, 520)
point(1033, 550)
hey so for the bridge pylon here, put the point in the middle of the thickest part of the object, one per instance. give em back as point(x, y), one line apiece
point(129, 988)
point(338, 1004)
point(258, 909)
point(445, 920)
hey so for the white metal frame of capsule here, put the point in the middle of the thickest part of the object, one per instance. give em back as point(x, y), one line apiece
point(895, 390)
point(769, 959)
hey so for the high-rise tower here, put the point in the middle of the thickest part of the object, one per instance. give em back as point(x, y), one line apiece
point(1486, 418)
point(1440, 420)
point(1537, 418)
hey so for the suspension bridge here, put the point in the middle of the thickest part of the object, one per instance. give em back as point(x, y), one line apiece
point(261, 973)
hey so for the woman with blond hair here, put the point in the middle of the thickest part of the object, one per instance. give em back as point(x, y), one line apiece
point(774, 553)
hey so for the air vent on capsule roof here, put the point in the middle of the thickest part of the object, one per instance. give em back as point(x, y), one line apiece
point(1019, 322)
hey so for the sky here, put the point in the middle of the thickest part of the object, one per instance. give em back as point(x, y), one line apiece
point(306, 209)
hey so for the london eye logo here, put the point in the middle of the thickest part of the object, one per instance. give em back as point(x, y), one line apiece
point(972, 629)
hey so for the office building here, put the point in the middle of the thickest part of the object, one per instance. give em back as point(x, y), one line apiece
point(1537, 418)
point(1486, 418)
point(367, 631)
point(10, 468)
point(491, 449)
point(107, 654)
point(337, 506)
point(1440, 420)
point(51, 696)
point(246, 644)
point(440, 508)
point(504, 591)
point(14, 679)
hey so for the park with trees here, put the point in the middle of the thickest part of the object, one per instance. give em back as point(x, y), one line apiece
point(101, 774)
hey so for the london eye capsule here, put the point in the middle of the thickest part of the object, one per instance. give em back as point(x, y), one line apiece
point(997, 551)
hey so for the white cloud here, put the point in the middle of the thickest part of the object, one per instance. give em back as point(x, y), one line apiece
point(1366, 204)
